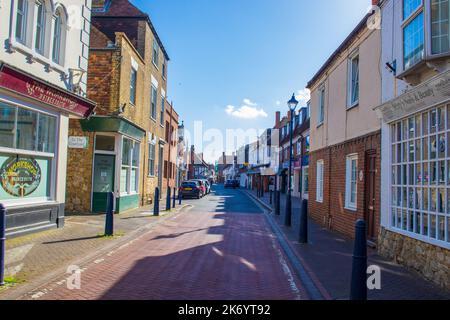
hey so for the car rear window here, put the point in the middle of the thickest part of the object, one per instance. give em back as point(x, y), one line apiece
point(189, 184)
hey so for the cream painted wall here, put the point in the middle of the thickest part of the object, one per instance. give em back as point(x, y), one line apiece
point(76, 49)
point(340, 123)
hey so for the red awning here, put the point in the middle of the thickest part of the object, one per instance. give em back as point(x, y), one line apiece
point(26, 85)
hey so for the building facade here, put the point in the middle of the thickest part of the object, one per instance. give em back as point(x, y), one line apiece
point(170, 177)
point(415, 113)
point(344, 166)
point(124, 144)
point(43, 65)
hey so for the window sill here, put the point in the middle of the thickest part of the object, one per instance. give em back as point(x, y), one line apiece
point(355, 105)
point(319, 125)
point(35, 56)
point(153, 119)
point(354, 209)
point(155, 65)
point(319, 201)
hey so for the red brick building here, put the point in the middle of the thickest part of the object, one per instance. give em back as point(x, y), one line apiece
point(171, 148)
point(344, 170)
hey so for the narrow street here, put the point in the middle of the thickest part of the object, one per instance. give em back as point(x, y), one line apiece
point(222, 248)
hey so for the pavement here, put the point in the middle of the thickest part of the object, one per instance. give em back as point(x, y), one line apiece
point(328, 259)
point(220, 247)
point(34, 259)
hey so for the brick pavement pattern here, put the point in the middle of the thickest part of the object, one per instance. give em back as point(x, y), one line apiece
point(207, 255)
point(328, 256)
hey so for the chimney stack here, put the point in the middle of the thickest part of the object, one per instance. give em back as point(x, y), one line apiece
point(277, 118)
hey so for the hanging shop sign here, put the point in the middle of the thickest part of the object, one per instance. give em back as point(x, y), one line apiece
point(20, 176)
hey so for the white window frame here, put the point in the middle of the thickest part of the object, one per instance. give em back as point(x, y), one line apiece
point(24, 24)
point(406, 22)
point(351, 86)
point(151, 146)
point(414, 202)
point(40, 48)
point(57, 37)
point(133, 86)
point(54, 156)
point(320, 165)
point(153, 102)
point(349, 204)
point(155, 54)
point(321, 108)
point(129, 167)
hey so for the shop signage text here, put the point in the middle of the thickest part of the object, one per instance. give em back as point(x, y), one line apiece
point(78, 142)
point(20, 176)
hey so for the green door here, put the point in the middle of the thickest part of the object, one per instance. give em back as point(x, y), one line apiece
point(103, 181)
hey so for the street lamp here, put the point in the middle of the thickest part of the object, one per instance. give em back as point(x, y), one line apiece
point(292, 104)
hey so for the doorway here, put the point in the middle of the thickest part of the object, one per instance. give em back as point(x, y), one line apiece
point(103, 182)
point(370, 194)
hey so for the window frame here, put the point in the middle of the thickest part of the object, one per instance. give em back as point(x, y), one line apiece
point(405, 23)
point(162, 111)
point(153, 102)
point(350, 159)
point(320, 180)
point(43, 27)
point(151, 159)
point(155, 53)
point(57, 37)
point(24, 25)
point(51, 156)
point(129, 167)
point(350, 103)
point(321, 108)
point(133, 85)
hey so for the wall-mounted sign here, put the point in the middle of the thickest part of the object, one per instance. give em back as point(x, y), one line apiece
point(426, 95)
point(30, 87)
point(78, 142)
point(20, 176)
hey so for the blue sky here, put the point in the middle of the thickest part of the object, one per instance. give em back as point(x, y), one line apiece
point(235, 62)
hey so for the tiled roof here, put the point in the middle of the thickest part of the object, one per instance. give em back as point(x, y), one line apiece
point(123, 9)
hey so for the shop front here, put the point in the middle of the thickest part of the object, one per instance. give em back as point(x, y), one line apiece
point(415, 192)
point(116, 164)
point(34, 117)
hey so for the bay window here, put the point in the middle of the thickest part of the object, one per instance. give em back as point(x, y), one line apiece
point(129, 174)
point(27, 153)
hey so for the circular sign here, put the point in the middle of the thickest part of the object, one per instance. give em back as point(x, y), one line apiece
point(20, 176)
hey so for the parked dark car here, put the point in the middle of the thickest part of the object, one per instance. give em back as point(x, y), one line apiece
point(230, 184)
point(205, 185)
point(191, 189)
point(237, 184)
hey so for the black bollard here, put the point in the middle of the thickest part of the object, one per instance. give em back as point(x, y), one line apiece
point(288, 211)
point(180, 197)
point(168, 199)
point(359, 266)
point(174, 197)
point(277, 203)
point(2, 243)
point(156, 204)
point(109, 222)
point(270, 197)
point(303, 234)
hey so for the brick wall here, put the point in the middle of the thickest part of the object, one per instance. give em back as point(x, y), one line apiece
point(332, 212)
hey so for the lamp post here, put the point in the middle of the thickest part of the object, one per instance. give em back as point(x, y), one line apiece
point(292, 104)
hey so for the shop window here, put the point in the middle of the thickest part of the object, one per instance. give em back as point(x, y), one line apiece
point(27, 174)
point(420, 203)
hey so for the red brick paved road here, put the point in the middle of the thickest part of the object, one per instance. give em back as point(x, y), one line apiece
point(207, 253)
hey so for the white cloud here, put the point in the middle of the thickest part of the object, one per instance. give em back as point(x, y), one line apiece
point(248, 102)
point(278, 103)
point(249, 110)
point(303, 97)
